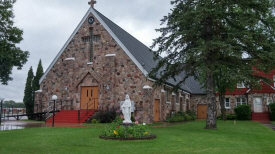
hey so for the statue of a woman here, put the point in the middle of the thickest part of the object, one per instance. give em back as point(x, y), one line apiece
point(127, 108)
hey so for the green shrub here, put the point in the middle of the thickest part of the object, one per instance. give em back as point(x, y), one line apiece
point(272, 111)
point(176, 118)
point(228, 117)
point(187, 117)
point(104, 116)
point(95, 121)
point(243, 112)
point(231, 117)
point(181, 116)
point(189, 112)
point(192, 115)
point(181, 113)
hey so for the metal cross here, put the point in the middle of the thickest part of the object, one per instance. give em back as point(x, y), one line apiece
point(92, 2)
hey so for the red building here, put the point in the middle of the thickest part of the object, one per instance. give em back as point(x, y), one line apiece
point(258, 99)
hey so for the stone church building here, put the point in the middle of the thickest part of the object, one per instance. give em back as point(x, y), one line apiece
point(99, 64)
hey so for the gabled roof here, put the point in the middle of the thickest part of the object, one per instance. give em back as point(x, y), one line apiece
point(137, 51)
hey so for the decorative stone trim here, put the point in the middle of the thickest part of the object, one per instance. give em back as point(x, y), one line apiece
point(151, 137)
point(68, 59)
point(110, 55)
point(147, 87)
point(38, 91)
point(93, 74)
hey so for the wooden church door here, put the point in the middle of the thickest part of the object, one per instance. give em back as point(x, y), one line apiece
point(89, 95)
point(156, 110)
point(201, 111)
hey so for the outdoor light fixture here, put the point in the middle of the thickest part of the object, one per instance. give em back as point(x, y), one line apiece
point(54, 98)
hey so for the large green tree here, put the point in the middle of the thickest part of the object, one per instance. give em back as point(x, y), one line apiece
point(28, 93)
point(38, 75)
point(204, 37)
point(10, 54)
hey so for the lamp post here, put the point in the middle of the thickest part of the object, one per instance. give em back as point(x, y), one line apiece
point(1, 99)
point(54, 98)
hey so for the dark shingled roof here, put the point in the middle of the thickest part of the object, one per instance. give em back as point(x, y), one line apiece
point(145, 56)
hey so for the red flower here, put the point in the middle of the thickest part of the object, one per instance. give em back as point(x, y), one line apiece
point(117, 126)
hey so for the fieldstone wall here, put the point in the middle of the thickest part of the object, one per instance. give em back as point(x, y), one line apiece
point(115, 76)
point(201, 99)
point(195, 100)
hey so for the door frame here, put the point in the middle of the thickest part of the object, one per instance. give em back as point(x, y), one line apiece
point(198, 110)
point(96, 107)
point(158, 109)
point(261, 105)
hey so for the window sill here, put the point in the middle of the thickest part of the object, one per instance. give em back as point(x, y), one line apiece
point(90, 63)
point(227, 107)
point(168, 102)
point(177, 103)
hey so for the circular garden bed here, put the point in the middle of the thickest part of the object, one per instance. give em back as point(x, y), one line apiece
point(150, 137)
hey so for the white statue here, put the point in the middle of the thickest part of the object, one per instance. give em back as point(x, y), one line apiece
point(127, 107)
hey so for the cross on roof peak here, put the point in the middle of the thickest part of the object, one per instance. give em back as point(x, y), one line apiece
point(92, 2)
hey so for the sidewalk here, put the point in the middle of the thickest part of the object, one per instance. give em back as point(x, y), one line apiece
point(272, 126)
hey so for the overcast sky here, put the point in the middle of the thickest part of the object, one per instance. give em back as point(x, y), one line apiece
point(48, 24)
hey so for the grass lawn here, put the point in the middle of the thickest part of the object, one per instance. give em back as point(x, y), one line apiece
point(242, 137)
point(273, 122)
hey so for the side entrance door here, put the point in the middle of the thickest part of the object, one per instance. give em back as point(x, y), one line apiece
point(156, 110)
point(258, 105)
point(202, 111)
point(89, 97)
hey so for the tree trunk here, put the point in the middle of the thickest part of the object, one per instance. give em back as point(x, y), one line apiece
point(221, 100)
point(211, 121)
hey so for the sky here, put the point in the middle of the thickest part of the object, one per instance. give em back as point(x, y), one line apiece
point(48, 24)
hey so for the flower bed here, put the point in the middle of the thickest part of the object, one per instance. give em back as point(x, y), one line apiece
point(119, 131)
point(151, 137)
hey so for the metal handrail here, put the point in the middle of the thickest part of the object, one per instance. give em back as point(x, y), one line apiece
point(50, 109)
point(87, 105)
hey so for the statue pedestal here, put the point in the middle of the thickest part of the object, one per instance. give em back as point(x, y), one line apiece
point(126, 124)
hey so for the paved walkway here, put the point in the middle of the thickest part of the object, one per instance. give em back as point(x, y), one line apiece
point(14, 124)
point(272, 126)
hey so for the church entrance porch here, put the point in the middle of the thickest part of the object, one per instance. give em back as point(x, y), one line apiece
point(89, 98)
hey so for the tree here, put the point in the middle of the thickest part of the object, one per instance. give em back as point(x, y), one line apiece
point(9, 103)
point(38, 75)
point(204, 37)
point(28, 93)
point(10, 55)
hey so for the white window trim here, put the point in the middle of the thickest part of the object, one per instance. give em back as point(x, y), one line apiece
point(167, 96)
point(274, 80)
point(240, 85)
point(241, 101)
point(267, 100)
point(225, 104)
